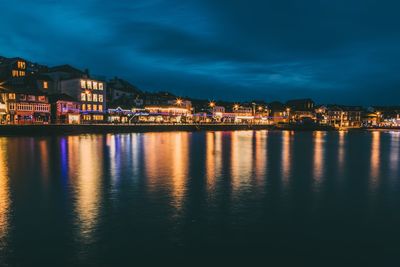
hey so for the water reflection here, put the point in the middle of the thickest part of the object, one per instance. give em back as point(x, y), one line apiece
point(319, 156)
point(341, 151)
point(394, 152)
point(260, 160)
point(166, 163)
point(4, 193)
point(85, 165)
point(375, 157)
point(213, 157)
point(286, 155)
point(241, 158)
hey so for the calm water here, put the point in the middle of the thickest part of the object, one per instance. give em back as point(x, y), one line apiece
point(200, 197)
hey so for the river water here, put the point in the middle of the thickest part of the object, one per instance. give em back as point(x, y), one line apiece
point(200, 198)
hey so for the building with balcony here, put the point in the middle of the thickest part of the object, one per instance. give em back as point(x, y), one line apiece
point(26, 107)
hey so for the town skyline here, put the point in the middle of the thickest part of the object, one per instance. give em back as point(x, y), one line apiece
point(230, 99)
point(334, 52)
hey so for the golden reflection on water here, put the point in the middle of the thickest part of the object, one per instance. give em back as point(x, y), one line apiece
point(85, 165)
point(341, 150)
point(375, 157)
point(44, 160)
point(260, 155)
point(213, 157)
point(4, 190)
point(166, 163)
point(286, 156)
point(318, 160)
point(241, 158)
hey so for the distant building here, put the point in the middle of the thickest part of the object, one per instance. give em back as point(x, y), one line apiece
point(65, 109)
point(301, 104)
point(91, 95)
point(121, 93)
point(60, 73)
point(344, 116)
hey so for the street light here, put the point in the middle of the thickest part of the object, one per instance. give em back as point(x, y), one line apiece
point(179, 101)
point(260, 108)
point(236, 107)
point(212, 104)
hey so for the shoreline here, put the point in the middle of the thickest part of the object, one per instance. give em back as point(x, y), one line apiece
point(68, 129)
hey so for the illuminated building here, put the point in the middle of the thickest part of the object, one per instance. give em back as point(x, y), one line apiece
point(91, 95)
point(65, 109)
point(27, 107)
point(344, 116)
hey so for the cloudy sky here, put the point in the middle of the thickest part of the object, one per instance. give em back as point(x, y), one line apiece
point(344, 51)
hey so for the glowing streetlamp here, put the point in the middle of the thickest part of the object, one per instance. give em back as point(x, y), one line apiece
point(211, 104)
point(179, 101)
point(236, 107)
point(260, 108)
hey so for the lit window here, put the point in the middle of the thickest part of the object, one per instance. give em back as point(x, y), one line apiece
point(84, 107)
point(94, 97)
point(100, 98)
point(89, 84)
point(100, 107)
point(83, 84)
point(45, 85)
point(89, 107)
point(83, 97)
point(95, 107)
point(15, 73)
point(21, 73)
point(95, 85)
point(11, 96)
point(89, 97)
point(21, 65)
point(100, 86)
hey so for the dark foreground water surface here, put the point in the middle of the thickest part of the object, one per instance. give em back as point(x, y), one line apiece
point(201, 198)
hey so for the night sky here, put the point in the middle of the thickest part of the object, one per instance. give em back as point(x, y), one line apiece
point(345, 51)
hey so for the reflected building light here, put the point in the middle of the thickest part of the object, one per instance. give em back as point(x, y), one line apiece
point(44, 160)
point(341, 150)
point(319, 151)
point(87, 183)
point(179, 167)
point(4, 193)
point(213, 158)
point(286, 156)
point(394, 152)
point(375, 158)
point(114, 158)
point(260, 155)
point(135, 152)
point(64, 160)
point(241, 158)
point(210, 159)
point(166, 163)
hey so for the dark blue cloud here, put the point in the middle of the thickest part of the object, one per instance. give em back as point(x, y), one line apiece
point(334, 51)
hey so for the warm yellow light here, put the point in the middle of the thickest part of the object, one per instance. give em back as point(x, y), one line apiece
point(260, 108)
point(87, 92)
point(179, 101)
point(236, 106)
point(212, 104)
